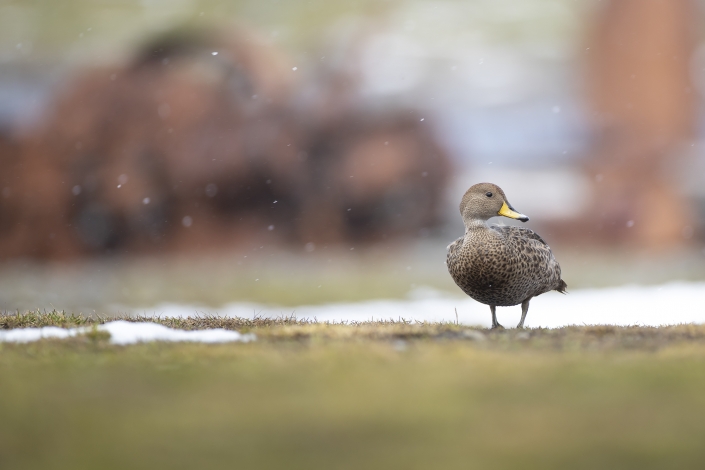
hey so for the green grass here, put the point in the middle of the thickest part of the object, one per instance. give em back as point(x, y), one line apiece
point(369, 395)
point(265, 277)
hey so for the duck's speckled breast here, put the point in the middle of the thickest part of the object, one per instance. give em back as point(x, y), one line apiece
point(491, 269)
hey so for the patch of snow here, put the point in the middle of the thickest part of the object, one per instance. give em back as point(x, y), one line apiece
point(26, 335)
point(123, 332)
point(668, 304)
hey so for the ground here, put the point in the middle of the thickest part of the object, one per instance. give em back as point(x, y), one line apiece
point(370, 395)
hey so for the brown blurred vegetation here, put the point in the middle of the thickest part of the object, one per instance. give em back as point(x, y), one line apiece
point(181, 149)
point(185, 149)
point(644, 112)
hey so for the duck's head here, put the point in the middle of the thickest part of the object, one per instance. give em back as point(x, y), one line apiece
point(485, 200)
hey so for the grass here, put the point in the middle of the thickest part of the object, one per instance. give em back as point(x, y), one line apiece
point(366, 395)
point(257, 275)
point(327, 275)
point(574, 338)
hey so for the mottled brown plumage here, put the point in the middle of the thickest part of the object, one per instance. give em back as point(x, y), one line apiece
point(500, 265)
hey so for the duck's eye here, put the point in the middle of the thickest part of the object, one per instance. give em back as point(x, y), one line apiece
point(488, 194)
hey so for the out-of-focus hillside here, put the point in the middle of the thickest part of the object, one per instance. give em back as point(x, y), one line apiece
point(140, 128)
point(200, 143)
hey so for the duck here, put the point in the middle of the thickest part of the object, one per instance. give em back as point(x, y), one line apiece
point(500, 265)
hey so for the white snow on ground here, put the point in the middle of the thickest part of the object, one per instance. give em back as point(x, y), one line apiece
point(667, 304)
point(122, 332)
point(26, 335)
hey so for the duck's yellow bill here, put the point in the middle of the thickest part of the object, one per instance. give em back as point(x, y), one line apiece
point(508, 211)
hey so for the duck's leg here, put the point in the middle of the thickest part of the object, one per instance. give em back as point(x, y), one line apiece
point(495, 323)
point(524, 311)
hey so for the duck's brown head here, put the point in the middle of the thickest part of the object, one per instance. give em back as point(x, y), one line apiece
point(485, 200)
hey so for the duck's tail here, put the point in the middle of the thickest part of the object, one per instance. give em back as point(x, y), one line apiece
point(562, 286)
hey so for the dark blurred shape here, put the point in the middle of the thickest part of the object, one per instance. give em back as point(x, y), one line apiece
point(639, 60)
point(9, 164)
point(200, 142)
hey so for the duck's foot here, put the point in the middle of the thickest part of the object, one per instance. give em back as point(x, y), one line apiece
point(524, 311)
point(495, 323)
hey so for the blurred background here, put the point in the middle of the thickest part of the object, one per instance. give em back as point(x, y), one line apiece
point(291, 152)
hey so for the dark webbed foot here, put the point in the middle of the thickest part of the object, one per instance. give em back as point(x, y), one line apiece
point(495, 323)
point(524, 311)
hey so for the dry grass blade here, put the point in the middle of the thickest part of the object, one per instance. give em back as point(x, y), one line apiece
point(290, 328)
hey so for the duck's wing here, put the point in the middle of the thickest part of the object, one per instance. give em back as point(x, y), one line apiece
point(453, 247)
point(533, 243)
point(520, 233)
